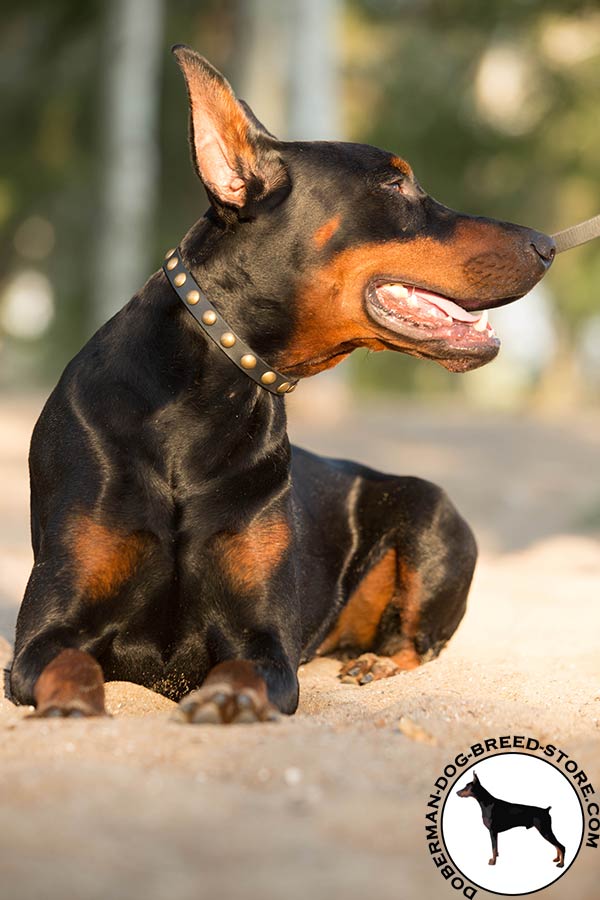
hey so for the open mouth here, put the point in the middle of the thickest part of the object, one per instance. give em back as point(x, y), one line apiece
point(435, 326)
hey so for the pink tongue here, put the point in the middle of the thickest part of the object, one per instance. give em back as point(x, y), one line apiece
point(457, 312)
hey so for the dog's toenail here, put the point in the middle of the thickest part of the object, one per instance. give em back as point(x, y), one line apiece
point(219, 698)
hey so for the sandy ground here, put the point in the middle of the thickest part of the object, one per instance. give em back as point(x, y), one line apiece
point(331, 802)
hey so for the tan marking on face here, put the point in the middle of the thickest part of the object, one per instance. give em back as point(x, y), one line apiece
point(249, 558)
point(358, 622)
point(104, 558)
point(324, 234)
point(398, 163)
point(479, 260)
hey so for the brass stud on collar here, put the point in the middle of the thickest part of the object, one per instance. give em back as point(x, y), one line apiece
point(209, 317)
point(227, 339)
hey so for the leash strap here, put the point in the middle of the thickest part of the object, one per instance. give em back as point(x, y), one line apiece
point(217, 329)
point(577, 234)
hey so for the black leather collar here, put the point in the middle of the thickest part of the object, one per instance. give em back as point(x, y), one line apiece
point(214, 325)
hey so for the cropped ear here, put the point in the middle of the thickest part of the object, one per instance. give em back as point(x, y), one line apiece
point(475, 778)
point(233, 154)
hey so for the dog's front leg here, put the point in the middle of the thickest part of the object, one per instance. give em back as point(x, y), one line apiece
point(54, 667)
point(494, 837)
point(254, 642)
point(71, 684)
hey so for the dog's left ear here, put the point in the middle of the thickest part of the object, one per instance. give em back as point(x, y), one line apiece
point(475, 778)
point(234, 155)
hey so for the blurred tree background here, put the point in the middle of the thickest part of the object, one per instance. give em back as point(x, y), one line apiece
point(495, 104)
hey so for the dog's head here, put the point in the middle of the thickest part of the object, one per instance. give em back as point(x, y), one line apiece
point(336, 245)
point(469, 789)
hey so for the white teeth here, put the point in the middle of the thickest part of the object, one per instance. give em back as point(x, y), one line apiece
point(412, 300)
point(482, 321)
point(397, 290)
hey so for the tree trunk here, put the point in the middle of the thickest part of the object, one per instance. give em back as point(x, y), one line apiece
point(131, 102)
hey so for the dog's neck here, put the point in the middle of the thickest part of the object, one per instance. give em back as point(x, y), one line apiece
point(233, 424)
point(234, 429)
point(228, 265)
point(483, 797)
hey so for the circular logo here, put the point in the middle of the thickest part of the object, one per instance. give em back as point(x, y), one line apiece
point(512, 823)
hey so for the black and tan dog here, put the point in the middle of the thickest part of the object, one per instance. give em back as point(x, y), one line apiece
point(501, 815)
point(179, 541)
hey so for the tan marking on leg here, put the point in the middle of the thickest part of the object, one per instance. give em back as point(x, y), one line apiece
point(250, 557)
point(412, 593)
point(104, 558)
point(324, 234)
point(358, 623)
point(72, 683)
point(359, 620)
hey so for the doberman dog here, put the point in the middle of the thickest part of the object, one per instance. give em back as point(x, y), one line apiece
point(179, 541)
point(500, 815)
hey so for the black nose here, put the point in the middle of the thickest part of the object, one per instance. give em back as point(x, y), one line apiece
point(544, 246)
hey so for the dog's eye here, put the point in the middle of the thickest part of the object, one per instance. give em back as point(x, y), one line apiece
point(396, 184)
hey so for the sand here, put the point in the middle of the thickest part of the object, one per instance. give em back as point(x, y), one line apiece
point(329, 803)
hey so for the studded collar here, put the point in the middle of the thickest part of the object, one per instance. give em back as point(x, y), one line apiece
point(217, 329)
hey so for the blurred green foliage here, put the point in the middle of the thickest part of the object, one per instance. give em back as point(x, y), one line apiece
point(412, 82)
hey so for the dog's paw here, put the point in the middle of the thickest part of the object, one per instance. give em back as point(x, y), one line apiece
point(222, 704)
point(368, 667)
point(491, 862)
point(70, 687)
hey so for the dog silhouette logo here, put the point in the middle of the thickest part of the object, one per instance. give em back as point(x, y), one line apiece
point(500, 815)
point(522, 807)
